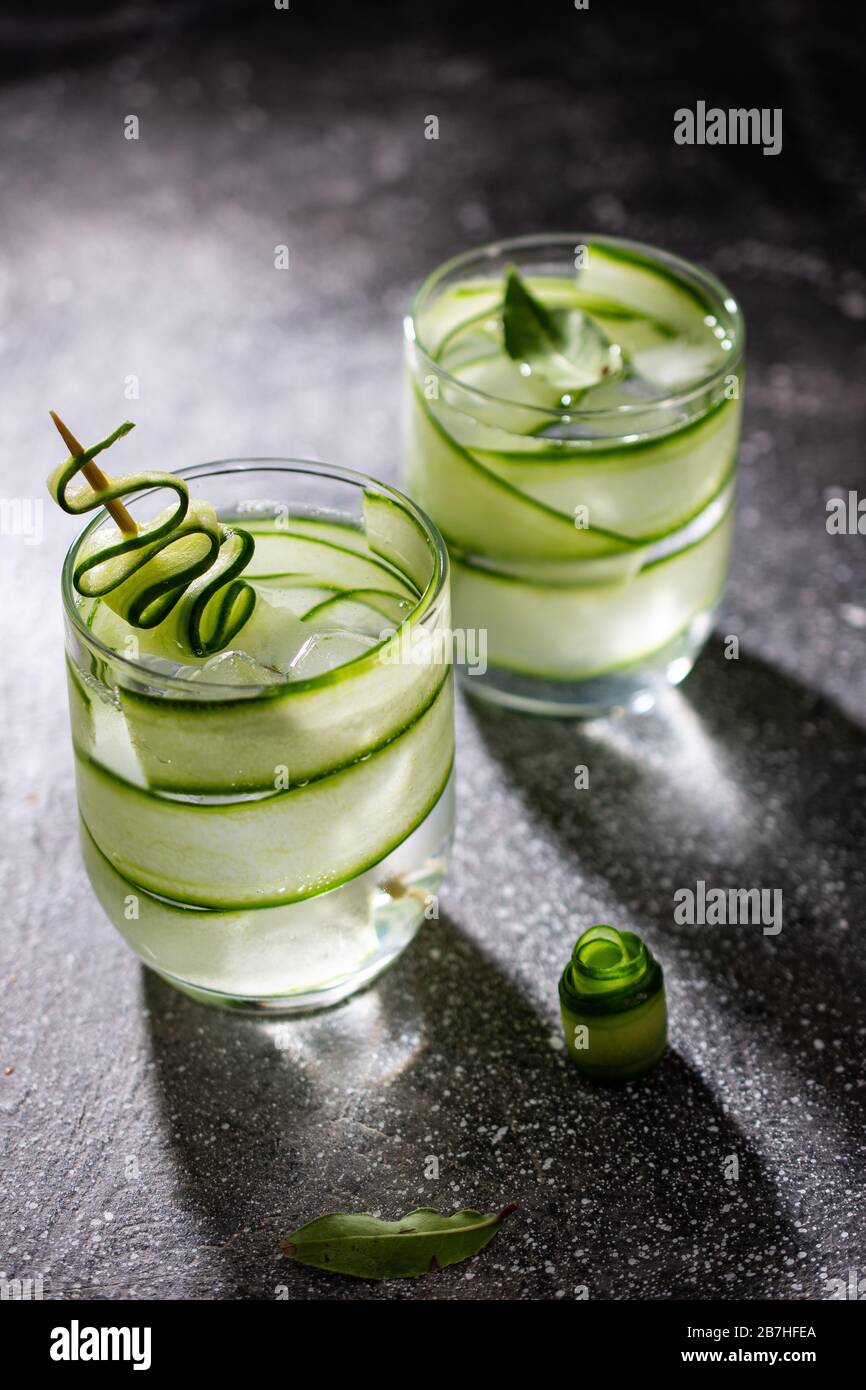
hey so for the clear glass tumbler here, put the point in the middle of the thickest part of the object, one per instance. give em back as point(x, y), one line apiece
point(266, 838)
point(589, 527)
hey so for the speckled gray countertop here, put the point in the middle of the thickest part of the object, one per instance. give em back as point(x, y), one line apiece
point(155, 1148)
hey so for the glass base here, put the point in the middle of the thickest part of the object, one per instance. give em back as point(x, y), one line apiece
point(292, 958)
point(306, 1002)
point(628, 688)
point(394, 921)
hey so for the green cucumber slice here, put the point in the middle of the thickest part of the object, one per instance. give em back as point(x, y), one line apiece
point(399, 538)
point(498, 376)
point(366, 611)
point(310, 727)
point(291, 571)
point(200, 745)
point(639, 283)
point(478, 335)
point(284, 552)
point(596, 569)
point(272, 950)
point(281, 848)
point(342, 533)
point(563, 632)
point(97, 722)
point(298, 946)
point(296, 593)
point(641, 490)
point(271, 636)
point(470, 503)
point(624, 291)
point(468, 301)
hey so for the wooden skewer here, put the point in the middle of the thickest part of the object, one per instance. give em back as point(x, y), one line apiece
point(96, 478)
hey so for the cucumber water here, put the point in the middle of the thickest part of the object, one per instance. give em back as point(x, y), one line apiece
point(267, 824)
point(572, 424)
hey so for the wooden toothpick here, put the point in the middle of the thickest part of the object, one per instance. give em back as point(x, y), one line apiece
point(96, 478)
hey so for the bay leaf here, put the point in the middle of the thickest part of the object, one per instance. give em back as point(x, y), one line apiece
point(368, 1248)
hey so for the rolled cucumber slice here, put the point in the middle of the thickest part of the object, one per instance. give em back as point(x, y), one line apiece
point(270, 636)
point(565, 632)
point(280, 848)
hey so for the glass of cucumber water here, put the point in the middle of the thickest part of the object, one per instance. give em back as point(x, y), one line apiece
point(572, 426)
point(267, 825)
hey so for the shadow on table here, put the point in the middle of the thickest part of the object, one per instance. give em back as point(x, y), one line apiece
point(270, 1124)
point(743, 778)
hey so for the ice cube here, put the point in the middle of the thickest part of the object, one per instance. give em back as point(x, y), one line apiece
point(676, 363)
point(162, 665)
point(324, 651)
point(233, 668)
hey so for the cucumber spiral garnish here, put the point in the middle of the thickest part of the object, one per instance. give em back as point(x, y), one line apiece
point(185, 559)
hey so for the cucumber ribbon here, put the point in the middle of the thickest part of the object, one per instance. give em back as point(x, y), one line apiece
point(184, 553)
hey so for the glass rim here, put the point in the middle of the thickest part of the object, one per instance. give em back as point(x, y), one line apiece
point(269, 464)
point(684, 270)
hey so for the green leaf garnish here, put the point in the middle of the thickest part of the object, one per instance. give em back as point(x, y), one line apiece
point(368, 1248)
point(564, 346)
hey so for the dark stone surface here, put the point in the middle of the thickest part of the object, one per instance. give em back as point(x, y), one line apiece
point(158, 1149)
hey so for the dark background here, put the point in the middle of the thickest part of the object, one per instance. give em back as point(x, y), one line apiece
point(154, 1148)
